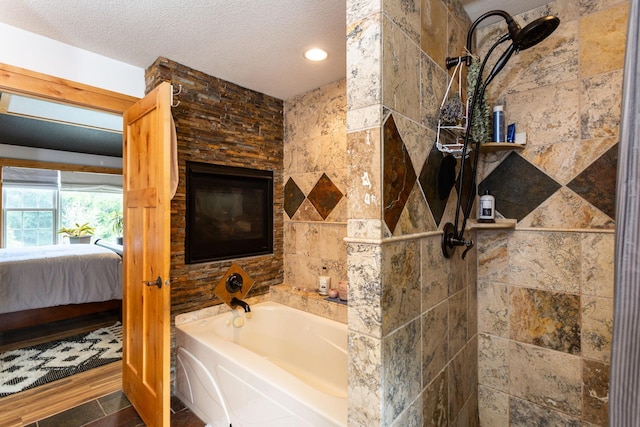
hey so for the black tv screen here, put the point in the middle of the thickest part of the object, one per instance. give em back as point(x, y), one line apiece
point(229, 212)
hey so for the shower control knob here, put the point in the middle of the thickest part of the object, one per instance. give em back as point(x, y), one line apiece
point(233, 283)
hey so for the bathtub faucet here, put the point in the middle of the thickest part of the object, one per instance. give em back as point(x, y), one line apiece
point(238, 302)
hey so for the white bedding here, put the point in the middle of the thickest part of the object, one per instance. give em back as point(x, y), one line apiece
point(47, 276)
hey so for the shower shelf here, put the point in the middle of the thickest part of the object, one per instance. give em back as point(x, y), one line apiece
point(499, 224)
point(451, 134)
point(492, 147)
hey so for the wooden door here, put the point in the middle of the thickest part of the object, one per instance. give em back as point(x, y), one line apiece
point(146, 188)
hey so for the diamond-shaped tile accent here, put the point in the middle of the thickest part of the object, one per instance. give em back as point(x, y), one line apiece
point(293, 197)
point(307, 212)
point(518, 186)
point(597, 183)
point(468, 192)
point(398, 174)
point(324, 196)
point(429, 180)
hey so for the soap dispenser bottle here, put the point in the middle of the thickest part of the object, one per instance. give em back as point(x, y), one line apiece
point(324, 282)
point(487, 212)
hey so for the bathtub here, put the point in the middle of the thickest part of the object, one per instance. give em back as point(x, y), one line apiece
point(280, 367)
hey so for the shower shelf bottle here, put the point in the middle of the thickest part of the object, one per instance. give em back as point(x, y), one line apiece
point(486, 212)
point(498, 124)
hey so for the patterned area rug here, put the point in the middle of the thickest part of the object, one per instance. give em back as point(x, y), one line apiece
point(29, 367)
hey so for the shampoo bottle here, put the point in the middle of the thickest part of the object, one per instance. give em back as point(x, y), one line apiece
point(324, 282)
point(498, 124)
point(486, 213)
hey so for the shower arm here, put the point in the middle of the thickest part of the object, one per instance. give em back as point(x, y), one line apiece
point(512, 25)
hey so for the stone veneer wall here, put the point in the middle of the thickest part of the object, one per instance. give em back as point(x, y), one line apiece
point(315, 170)
point(222, 123)
point(412, 322)
point(545, 290)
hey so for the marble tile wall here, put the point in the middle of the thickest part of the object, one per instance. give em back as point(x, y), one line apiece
point(565, 94)
point(412, 316)
point(545, 290)
point(545, 305)
point(413, 343)
point(315, 173)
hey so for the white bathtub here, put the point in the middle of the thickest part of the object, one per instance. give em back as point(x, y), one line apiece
point(282, 367)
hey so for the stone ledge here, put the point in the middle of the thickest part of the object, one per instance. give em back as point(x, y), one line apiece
point(309, 301)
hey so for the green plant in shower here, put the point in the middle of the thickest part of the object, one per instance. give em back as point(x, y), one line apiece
point(480, 121)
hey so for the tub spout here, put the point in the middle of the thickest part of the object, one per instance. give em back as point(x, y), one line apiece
point(238, 302)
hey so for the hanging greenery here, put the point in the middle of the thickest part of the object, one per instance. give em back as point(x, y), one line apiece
point(480, 120)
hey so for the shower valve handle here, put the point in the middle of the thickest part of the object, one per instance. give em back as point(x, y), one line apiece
point(469, 245)
point(461, 242)
point(450, 241)
point(234, 283)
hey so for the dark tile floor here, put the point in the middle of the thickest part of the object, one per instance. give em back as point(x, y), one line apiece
point(114, 410)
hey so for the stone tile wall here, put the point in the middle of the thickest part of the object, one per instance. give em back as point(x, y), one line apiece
point(565, 94)
point(412, 315)
point(545, 304)
point(222, 123)
point(545, 290)
point(315, 171)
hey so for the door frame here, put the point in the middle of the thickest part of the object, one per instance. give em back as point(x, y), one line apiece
point(26, 82)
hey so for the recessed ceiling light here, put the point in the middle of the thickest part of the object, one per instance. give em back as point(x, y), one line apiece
point(316, 54)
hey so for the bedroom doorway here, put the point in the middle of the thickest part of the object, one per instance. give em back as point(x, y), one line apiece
point(24, 82)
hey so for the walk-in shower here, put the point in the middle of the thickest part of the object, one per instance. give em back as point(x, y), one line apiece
point(521, 39)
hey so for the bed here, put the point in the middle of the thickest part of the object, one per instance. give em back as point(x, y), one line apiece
point(47, 283)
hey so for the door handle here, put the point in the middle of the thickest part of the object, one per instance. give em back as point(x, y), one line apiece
point(157, 282)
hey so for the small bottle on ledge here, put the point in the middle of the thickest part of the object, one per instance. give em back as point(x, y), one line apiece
point(324, 282)
point(487, 212)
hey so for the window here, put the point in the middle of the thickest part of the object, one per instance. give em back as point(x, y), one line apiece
point(29, 216)
point(96, 208)
point(37, 203)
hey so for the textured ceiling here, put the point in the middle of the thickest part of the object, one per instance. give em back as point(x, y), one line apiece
point(257, 44)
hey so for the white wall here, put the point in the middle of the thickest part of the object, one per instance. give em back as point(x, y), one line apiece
point(37, 53)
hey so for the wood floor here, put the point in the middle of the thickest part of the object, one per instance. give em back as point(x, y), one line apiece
point(29, 406)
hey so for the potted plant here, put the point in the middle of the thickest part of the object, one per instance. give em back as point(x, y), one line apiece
point(117, 225)
point(79, 233)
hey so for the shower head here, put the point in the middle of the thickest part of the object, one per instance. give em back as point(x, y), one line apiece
point(534, 32)
point(522, 38)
